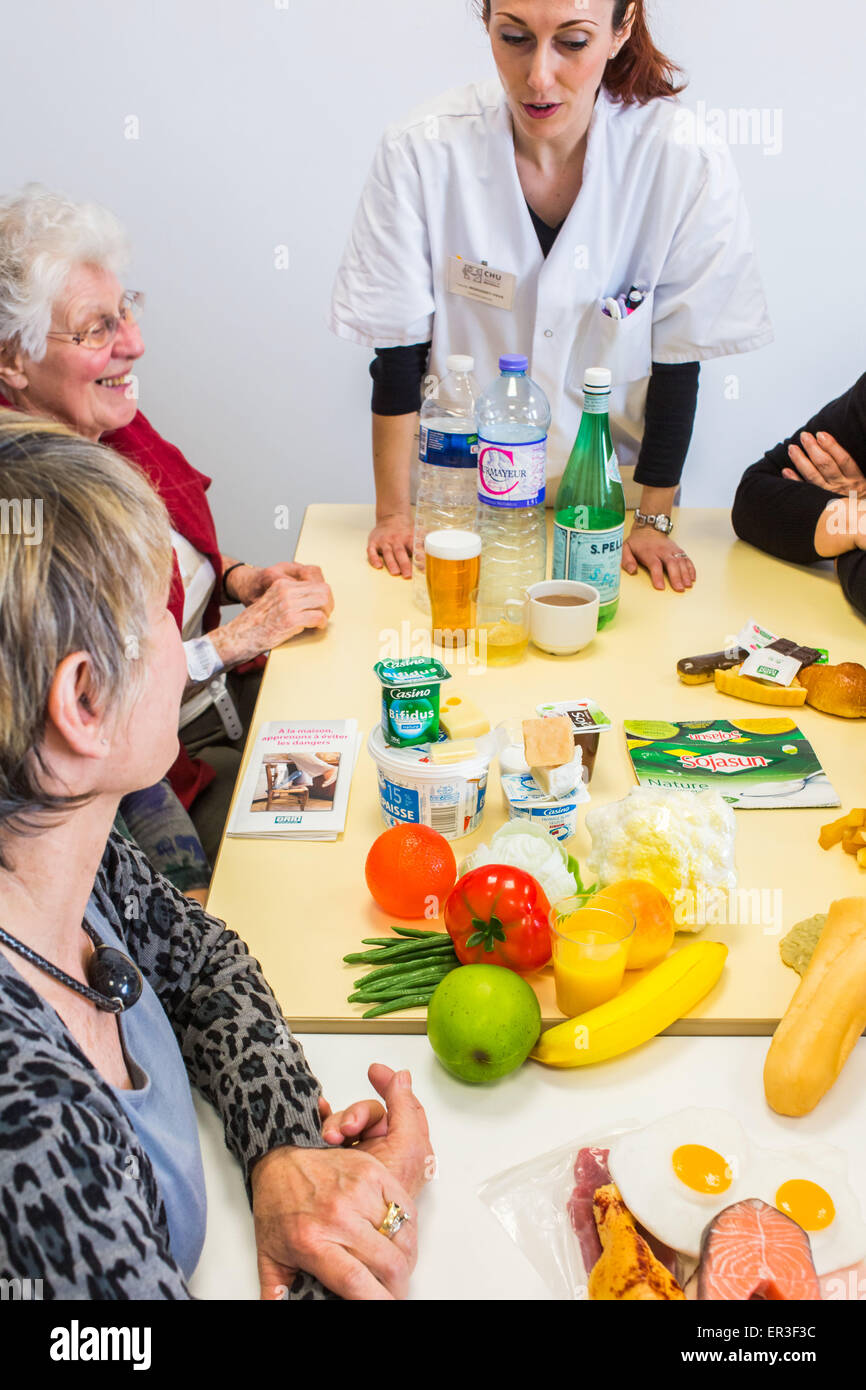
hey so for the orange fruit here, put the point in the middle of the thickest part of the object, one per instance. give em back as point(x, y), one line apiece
point(410, 870)
point(653, 916)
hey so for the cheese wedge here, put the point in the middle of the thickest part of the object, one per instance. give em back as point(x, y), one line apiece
point(461, 717)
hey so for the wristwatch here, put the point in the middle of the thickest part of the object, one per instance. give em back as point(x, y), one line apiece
point(659, 523)
point(202, 659)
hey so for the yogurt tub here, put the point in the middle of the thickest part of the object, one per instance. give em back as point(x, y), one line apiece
point(526, 801)
point(413, 790)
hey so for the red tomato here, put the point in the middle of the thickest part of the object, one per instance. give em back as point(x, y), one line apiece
point(496, 915)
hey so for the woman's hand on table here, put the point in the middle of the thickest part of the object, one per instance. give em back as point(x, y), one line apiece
point(397, 1135)
point(246, 583)
point(661, 556)
point(389, 544)
point(319, 1211)
point(286, 607)
point(824, 462)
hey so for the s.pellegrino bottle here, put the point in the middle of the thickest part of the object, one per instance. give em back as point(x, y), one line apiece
point(589, 512)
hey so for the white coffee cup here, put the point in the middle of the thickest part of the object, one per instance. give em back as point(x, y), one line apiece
point(562, 628)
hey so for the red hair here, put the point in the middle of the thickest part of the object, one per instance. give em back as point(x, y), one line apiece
point(640, 71)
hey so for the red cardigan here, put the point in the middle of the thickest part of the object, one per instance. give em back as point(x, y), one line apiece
point(183, 490)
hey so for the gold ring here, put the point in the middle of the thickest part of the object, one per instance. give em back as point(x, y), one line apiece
point(395, 1217)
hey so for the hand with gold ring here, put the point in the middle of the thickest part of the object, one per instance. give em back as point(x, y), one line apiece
point(322, 1211)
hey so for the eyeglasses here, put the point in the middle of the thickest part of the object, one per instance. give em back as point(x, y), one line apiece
point(105, 330)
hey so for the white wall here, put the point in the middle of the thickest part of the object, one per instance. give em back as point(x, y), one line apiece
point(257, 120)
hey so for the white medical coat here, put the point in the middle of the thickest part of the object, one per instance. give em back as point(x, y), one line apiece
point(656, 210)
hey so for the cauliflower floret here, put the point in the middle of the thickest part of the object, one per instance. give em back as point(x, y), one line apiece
point(681, 841)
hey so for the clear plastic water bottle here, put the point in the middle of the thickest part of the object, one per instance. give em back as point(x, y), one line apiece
point(513, 423)
point(448, 474)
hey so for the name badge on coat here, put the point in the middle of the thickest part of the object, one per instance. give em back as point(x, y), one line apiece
point(474, 280)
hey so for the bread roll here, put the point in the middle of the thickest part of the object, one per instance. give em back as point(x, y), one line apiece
point(836, 689)
point(825, 1017)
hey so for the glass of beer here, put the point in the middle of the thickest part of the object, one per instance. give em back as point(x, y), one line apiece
point(452, 566)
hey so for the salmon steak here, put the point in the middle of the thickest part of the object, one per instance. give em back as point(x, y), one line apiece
point(751, 1251)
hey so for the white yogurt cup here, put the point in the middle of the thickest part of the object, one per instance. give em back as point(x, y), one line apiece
point(526, 801)
point(414, 791)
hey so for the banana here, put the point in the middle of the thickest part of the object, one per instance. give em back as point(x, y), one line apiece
point(662, 996)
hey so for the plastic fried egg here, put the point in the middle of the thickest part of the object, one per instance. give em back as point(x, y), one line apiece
point(677, 1173)
point(818, 1197)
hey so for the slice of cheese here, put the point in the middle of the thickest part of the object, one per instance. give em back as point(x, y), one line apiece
point(461, 717)
point(548, 742)
point(454, 751)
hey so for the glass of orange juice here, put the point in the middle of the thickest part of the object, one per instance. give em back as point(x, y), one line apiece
point(590, 947)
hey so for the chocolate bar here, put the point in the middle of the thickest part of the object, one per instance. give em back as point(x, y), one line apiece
point(807, 656)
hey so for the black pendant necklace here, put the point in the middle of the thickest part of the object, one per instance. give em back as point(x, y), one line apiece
point(113, 981)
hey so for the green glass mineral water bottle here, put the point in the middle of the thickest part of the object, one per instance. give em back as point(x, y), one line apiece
point(589, 514)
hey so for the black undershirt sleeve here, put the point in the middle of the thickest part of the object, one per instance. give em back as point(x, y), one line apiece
point(779, 515)
point(671, 403)
point(397, 376)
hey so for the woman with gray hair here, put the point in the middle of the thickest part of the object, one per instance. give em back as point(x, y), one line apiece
point(116, 992)
point(69, 338)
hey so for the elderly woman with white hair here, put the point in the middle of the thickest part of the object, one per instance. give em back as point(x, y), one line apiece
point(69, 338)
point(116, 992)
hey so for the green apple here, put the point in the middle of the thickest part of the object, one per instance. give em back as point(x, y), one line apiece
point(483, 1022)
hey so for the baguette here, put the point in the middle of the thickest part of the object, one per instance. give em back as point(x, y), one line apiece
point(825, 1017)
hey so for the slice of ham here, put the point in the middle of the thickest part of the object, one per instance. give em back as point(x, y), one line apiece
point(590, 1173)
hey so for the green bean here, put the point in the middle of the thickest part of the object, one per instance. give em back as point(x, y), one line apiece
point(393, 953)
point(417, 941)
point(392, 988)
point(383, 941)
point(406, 948)
point(415, 931)
point(393, 1006)
point(404, 967)
point(357, 997)
point(439, 967)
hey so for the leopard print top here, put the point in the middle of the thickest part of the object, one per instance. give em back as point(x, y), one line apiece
point(79, 1204)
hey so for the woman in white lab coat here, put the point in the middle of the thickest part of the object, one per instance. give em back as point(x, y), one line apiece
point(502, 216)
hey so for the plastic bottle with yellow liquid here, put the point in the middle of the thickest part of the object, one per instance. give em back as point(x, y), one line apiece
point(513, 423)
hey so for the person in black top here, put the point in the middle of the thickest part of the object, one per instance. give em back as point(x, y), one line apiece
point(805, 501)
